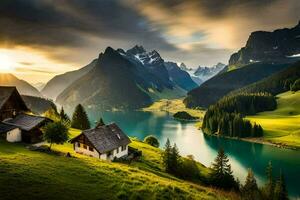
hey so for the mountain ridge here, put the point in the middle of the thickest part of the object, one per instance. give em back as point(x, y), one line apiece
point(278, 46)
point(24, 88)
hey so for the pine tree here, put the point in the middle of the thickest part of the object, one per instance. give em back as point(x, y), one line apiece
point(222, 173)
point(166, 156)
point(63, 116)
point(269, 186)
point(80, 119)
point(174, 160)
point(100, 123)
point(250, 190)
point(280, 191)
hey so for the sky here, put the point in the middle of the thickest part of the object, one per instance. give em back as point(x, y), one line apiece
point(42, 38)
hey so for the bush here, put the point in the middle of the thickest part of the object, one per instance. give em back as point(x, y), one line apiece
point(152, 140)
point(188, 169)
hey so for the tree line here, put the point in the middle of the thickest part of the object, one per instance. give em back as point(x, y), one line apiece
point(226, 117)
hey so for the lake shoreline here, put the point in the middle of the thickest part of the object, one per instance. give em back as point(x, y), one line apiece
point(257, 141)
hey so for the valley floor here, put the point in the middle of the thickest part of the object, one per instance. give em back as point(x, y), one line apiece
point(281, 126)
point(26, 174)
point(173, 106)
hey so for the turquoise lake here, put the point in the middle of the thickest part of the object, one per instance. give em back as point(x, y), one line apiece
point(191, 141)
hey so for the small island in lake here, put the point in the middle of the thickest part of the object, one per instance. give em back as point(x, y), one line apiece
point(182, 115)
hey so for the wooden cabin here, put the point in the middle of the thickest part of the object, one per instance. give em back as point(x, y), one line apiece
point(11, 103)
point(25, 128)
point(105, 142)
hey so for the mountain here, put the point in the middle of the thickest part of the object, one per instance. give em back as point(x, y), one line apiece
point(60, 82)
point(39, 86)
point(220, 85)
point(118, 80)
point(180, 77)
point(152, 61)
point(279, 46)
point(117, 73)
point(184, 67)
point(205, 73)
point(23, 87)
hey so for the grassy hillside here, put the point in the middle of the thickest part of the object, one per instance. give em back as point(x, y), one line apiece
point(26, 174)
point(282, 126)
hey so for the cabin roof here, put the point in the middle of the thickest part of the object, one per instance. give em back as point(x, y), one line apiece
point(5, 93)
point(105, 138)
point(26, 122)
point(6, 127)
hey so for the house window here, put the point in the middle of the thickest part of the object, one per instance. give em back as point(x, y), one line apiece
point(123, 148)
point(91, 148)
point(84, 146)
point(78, 144)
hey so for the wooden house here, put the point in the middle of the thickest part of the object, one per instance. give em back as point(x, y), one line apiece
point(105, 142)
point(25, 128)
point(11, 103)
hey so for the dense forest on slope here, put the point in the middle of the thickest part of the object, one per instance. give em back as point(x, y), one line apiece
point(222, 84)
point(226, 117)
point(275, 84)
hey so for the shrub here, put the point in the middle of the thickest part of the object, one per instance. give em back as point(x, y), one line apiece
point(55, 132)
point(152, 140)
point(188, 169)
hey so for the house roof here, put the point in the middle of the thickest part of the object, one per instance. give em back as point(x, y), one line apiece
point(5, 93)
point(26, 122)
point(6, 127)
point(105, 138)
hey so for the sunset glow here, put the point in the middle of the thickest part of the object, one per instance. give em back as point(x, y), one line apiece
point(6, 63)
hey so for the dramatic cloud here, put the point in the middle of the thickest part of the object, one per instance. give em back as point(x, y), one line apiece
point(195, 32)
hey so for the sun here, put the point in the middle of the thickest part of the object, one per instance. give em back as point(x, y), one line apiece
point(6, 63)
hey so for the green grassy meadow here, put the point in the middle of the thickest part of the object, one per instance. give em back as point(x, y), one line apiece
point(26, 174)
point(282, 126)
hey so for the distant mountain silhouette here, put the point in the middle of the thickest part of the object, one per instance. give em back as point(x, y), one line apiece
point(60, 82)
point(23, 87)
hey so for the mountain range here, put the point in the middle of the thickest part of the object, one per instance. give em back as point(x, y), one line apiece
point(265, 53)
point(202, 74)
point(120, 79)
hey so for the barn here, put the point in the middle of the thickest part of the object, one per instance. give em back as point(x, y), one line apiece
point(105, 142)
